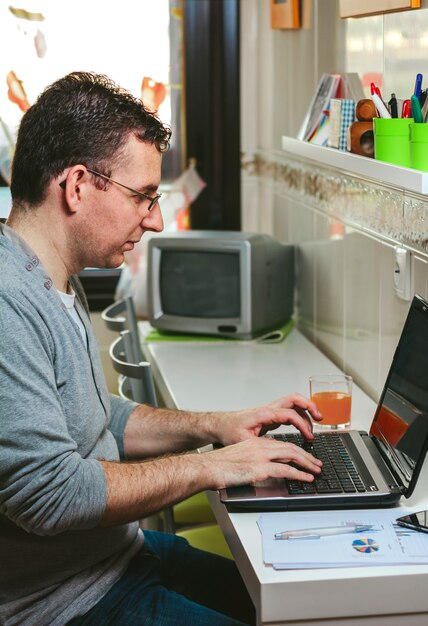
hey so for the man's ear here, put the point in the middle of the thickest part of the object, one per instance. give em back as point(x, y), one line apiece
point(73, 187)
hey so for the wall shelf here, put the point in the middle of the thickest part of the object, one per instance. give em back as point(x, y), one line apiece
point(377, 171)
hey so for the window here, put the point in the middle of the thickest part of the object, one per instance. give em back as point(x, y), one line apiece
point(137, 44)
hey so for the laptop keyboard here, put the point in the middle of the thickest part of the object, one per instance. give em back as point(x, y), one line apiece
point(339, 473)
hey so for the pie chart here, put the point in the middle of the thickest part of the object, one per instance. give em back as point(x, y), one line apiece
point(365, 545)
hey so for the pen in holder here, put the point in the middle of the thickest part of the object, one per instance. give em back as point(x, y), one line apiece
point(392, 140)
point(361, 132)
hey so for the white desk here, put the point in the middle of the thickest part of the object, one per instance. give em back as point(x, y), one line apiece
point(227, 376)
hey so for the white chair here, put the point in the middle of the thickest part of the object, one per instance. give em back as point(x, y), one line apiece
point(136, 383)
point(121, 316)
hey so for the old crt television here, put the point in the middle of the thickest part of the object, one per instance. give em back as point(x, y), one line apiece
point(226, 283)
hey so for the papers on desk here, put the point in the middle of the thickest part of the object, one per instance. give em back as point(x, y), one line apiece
point(385, 543)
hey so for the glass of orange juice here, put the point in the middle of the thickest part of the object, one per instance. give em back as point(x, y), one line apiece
point(332, 393)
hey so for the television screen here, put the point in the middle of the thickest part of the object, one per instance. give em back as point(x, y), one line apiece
point(202, 284)
point(228, 283)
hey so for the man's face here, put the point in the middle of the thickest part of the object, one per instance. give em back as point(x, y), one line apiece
point(116, 218)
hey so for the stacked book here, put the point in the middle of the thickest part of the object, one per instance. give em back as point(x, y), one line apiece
point(332, 110)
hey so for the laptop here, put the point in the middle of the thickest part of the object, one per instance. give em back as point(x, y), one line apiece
point(359, 468)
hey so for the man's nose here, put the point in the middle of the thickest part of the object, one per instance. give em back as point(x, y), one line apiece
point(153, 220)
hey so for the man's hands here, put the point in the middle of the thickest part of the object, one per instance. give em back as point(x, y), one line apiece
point(293, 409)
point(136, 490)
point(257, 459)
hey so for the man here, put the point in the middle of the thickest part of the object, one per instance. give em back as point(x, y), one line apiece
point(84, 186)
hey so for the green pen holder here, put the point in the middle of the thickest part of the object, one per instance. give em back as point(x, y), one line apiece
point(419, 147)
point(392, 140)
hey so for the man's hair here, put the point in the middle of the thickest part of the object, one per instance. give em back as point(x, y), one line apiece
point(81, 118)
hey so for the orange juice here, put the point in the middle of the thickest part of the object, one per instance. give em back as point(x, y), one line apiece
point(334, 406)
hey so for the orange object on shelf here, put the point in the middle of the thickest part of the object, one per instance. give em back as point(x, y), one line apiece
point(152, 93)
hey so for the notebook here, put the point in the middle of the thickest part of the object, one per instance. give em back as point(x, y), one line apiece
point(364, 469)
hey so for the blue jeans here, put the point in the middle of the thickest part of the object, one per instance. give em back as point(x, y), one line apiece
point(170, 583)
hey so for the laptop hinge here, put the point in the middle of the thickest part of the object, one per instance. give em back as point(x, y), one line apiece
point(394, 466)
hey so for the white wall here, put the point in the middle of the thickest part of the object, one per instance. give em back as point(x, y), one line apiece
point(347, 305)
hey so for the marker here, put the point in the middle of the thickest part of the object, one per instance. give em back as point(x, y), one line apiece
point(381, 108)
point(406, 110)
point(317, 533)
point(416, 110)
point(425, 110)
point(423, 97)
point(374, 89)
point(393, 107)
point(418, 85)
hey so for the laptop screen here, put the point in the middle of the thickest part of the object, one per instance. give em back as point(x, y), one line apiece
point(401, 421)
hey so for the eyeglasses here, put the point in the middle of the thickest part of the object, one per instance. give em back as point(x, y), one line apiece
point(152, 200)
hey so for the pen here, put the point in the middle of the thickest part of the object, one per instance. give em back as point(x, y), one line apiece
point(381, 108)
point(393, 107)
point(316, 533)
point(418, 85)
point(406, 110)
point(425, 110)
point(375, 89)
point(416, 110)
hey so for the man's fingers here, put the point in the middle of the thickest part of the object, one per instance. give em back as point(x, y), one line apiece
point(286, 452)
point(259, 458)
point(306, 417)
point(300, 402)
point(301, 422)
point(293, 473)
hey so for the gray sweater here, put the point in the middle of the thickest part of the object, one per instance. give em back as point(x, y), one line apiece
point(57, 421)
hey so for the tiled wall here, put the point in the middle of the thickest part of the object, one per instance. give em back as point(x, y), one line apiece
point(346, 300)
point(345, 232)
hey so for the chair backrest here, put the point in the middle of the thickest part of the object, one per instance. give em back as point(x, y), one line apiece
point(136, 381)
point(111, 313)
point(121, 316)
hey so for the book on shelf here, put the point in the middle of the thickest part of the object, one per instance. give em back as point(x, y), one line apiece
point(351, 87)
point(342, 115)
point(316, 124)
point(318, 111)
point(321, 135)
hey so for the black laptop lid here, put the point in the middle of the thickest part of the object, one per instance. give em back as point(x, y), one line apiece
point(400, 425)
